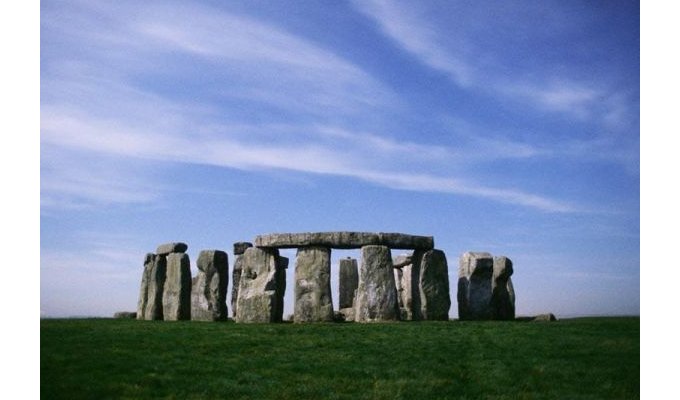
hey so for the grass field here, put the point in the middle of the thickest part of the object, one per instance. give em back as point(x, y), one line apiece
point(587, 358)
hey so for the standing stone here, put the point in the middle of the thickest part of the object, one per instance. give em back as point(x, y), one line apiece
point(348, 281)
point(144, 288)
point(239, 249)
point(376, 298)
point(209, 290)
point(474, 286)
point(156, 284)
point(258, 297)
point(177, 291)
point(434, 286)
point(410, 285)
point(503, 293)
point(398, 277)
point(313, 301)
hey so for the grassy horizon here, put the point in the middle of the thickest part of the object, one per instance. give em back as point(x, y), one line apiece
point(574, 358)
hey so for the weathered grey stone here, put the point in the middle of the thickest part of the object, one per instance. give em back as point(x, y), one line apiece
point(503, 293)
point(209, 289)
point(435, 300)
point(177, 291)
point(156, 284)
point(409, 285)
point(347, 314)
point(235, 280)
point(348, 281)
point(398, 276)
point(125, 315)
point(544, 318)
point(401, 260)
point(376, 298)
point(475, 274)
point(144, 287)
point(344, 240)
point(259, 287)
point(174, 247)
point(313, 301)
point(240, 247)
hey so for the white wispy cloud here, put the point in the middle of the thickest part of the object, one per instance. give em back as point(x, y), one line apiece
point(471, 66)
point(74, 180)
point(96, 100)
point(221, 150)
point(419, 38)
point(244, 58)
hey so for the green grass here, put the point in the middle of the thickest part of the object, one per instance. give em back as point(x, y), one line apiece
point(588, 358)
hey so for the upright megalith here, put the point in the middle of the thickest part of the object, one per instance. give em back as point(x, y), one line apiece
point(376, 298)
point(313, 301)
point(155, 288)
point(407, 279)
point(434, 298)
point(209, 288)
point(239, 249)
point(485, 290)
point(475, 274)
point(259, 294)
point(348, 281)
point(503, 293)
point(144, 287)
point(174, 247)
point(398, 276)
point(177, 290)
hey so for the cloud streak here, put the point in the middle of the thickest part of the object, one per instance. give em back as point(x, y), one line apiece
point(415, 28)
point(94, 102)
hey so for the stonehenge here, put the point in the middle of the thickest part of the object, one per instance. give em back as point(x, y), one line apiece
point(423, 285)
point(412, 286)
point(144, 289)
point(407, 277)
point(485, 290)
point(154, 292)
point(434, 286)
point(239, 249)
point(174, 247)
point(348, 280)
point(344, 240)
point(376, 298)
point(209, 287)
point(313, 302)
point(502, 291)
point(260, 298)
point(177, 289)
point(165, 292)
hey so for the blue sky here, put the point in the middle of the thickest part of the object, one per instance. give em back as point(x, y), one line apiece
point(508, 127)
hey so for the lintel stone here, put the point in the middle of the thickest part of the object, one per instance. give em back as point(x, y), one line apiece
point(174, 247)
point(345, 240)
